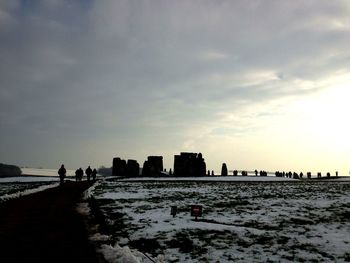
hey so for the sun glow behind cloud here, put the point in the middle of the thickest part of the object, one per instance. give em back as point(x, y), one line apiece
point(309, 132)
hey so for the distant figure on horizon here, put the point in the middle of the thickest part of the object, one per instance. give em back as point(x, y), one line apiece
point(88, 172)
point(77, 175)
point(62, 174)
point(94, 173)
point(81, 174)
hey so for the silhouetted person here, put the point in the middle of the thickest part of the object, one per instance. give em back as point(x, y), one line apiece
point(62, 174)
point(77, 175)
point(94, 173)
point(80, 174)
point(308, 175)
point(336, 173)
point(88, 172)
point(256, 172)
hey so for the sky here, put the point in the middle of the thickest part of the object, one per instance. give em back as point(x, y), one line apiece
point(255, 84)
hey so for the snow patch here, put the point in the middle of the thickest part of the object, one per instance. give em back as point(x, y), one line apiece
point(28, 179)
point(99, 237)
point(118, 254)
point(27, 192)
point(83, 209)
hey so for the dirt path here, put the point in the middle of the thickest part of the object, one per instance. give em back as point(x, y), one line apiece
point(45, 227)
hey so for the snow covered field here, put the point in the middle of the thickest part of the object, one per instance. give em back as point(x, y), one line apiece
point(33, 180)
point(45, 172)
point(242, 221)
point(14, 189)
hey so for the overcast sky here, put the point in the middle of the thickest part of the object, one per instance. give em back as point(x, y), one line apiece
point(255, 84)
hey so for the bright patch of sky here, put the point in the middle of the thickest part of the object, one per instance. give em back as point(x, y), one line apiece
point(255, 84)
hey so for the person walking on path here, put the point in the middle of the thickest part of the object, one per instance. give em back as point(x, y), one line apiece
point(62, 174)
point(77, 175)
point(94, 173)
point(81, 173)
point(88, 172)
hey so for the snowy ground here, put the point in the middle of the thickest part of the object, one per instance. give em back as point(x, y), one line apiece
point(33, 180)
point(45, 172)
point(242, 221)
point(16, 189)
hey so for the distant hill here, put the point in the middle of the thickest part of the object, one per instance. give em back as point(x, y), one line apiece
point(7, 170)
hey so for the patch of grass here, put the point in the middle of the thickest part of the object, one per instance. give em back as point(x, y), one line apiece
point(262, 226)
point(301, 221)
point(182, 241)
point(346, 257)
point(282, 240)
point(146, 245)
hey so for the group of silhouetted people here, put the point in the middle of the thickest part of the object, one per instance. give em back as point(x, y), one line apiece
point(90, 174)
point(79, 173)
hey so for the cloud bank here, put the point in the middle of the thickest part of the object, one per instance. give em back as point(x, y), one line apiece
point(83, 81)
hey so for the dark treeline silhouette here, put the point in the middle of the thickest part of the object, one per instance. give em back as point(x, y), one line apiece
point(7, 170)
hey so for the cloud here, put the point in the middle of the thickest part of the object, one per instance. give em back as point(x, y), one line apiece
point(125, 74)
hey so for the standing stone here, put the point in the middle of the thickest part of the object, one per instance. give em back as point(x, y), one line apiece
point(119, 167)
point(155, 165)
point(132, 168)
point(189, 164)
point(224, 170)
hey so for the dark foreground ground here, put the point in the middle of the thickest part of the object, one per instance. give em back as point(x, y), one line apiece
point(45, 227)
